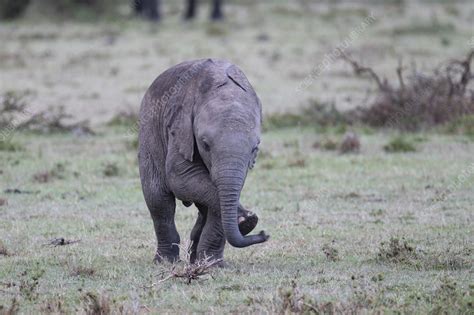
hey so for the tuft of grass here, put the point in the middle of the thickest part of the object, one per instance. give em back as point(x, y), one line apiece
point(399, 144)
point(431, 28)
point(216, 30)
point(96, 304)
point(124, 118)
point(464, 125)
point(397, 251)
point(111, 170)
point(82, 271)
point(291, 300)
point(350, 143)
point(3, 249)
point(10, 146)
point(13, 309)
point(56, 173)
point(449, 298)
point(331, 252)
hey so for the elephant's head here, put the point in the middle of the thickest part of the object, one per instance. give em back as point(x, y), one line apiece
point(225, 127)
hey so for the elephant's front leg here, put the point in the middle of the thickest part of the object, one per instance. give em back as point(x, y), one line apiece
point(212, 241)
point(247, 222)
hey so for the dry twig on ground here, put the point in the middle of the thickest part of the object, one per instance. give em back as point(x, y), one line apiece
point(60, 242)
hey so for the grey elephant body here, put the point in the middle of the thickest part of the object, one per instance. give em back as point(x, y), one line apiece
point(199, 132)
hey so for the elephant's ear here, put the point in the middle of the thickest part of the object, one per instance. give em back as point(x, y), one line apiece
point(180, 125)
point(239, 78)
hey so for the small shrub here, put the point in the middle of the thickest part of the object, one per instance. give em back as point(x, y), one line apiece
point(12, 104)
point(329, 144)
point(10, 146)
point(95, 304)
point(397, 251)
point(350, 143)
point(111, 169)
point(290, 300)
point(464, 125)
point(399, 144)
point(55, 120)
point(331, 252)
point(12, 9)
point(82, 271)
point(124, 118)
point(3, 249)
point(216, 30)
point(132, 144)
point(57, 172)
point(300, 162)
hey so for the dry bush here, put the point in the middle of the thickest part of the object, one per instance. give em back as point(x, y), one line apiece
point(55, 120)
point(423, 101)
point(3, 249)
point(184, 269)
point(111, 170)
point(57, 172)
point(350, 143)
point(12, 104)
point(331, 252)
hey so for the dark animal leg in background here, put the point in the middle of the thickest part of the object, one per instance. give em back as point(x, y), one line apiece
point(150, 9)
point(191, 10)
point(217, 11)
point(138, 6)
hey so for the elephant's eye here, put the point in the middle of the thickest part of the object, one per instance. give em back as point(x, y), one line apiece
point(206, 145)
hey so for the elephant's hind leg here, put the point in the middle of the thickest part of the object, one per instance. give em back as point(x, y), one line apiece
point(162, 206)
point(212, 241)
point(197, 231)
point(162, 214)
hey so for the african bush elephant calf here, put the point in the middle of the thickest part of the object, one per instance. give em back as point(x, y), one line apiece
point(199, 136)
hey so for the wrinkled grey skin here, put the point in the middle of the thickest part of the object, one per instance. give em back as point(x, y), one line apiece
point(199, 135)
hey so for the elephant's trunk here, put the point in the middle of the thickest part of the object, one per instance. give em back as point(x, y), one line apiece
point(230, 177)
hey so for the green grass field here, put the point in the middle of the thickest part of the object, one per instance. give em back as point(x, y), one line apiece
point(328, 217)
point(366, 232)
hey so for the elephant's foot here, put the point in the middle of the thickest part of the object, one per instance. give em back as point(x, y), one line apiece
point(247, 221)
point(216, 259)
point(171, 256)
